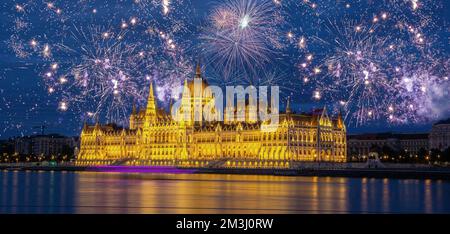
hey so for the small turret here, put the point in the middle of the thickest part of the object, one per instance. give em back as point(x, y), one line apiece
point(150, 112)
point(185, 110)
point(324, 120)
point(133, 112)
point(288, 106)
point(133, 117)
point(85, 126)
point(170, 104)
point(198, 71)
point(97, 127)
point(186, 91)
point(340, 121)
point(251, 109)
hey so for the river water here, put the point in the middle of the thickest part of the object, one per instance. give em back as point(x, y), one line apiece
point(101, 192)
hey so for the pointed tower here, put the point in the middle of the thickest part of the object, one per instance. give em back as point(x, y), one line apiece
point(324, 120)
point(170, 105)
point(198, 71)
point(197, 95)
point(133, 117)
point(252, 109)
point(150, 112)
point(186, 96)
point(185, 109)
point(340, 121)
point(84, 129)
point(133, 112)
point(96, 127)
point(288, 106)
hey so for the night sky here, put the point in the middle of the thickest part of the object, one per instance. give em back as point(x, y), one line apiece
point(383, 63)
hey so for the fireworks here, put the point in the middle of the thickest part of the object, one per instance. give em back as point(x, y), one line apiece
point(104, 71)
point(241, 36)
point(99, 70)
point(357, 71)
point(359, 66)
point(164, 5)
point(373, 60)
point(423, 92)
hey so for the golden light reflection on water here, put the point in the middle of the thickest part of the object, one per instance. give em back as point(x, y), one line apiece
point(90, 192)
point(386, 195)
point(428, 197)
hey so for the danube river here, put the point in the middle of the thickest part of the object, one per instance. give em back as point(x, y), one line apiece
point(95, 192)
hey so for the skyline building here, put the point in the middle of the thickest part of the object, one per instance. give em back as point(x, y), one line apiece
point(154, 137)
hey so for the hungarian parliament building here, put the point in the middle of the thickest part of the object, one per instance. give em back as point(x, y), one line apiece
point(154, 137)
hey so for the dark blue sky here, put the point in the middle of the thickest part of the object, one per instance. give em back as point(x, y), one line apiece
point(25, 102)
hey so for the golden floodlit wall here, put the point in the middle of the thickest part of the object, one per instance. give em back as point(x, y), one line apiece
point(155, 138)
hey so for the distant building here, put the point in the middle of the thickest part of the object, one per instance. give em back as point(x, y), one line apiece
point(6, 147)
point(22, 145)
point(52, 144)
point(361, 145)
point(440, 135)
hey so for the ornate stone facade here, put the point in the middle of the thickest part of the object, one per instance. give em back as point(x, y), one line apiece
point(155, 138)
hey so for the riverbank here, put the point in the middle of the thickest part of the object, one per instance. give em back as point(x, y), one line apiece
point(436, 174)
point(397, 173)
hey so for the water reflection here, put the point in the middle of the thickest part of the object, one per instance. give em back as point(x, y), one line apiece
point(37, 192)
point(91, 192)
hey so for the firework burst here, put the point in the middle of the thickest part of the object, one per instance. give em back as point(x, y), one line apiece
point(100, 69)
point(241, 36)
point(355, 73)
point(104, 73)
point(377, 61)
point(423, 92)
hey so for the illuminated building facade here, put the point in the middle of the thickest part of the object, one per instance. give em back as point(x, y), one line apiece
point(51, 144)
point(360, 146)
point(155, 138)
point(440, 135)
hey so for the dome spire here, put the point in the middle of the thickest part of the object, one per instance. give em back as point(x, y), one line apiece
point(198, 70)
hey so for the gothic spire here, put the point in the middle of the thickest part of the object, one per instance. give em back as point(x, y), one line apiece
point(85, 126)
point(151, 102)
point(186, 92)
point(288, 105)
point(198, 71)
point(134, 109)
point(340, 121)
